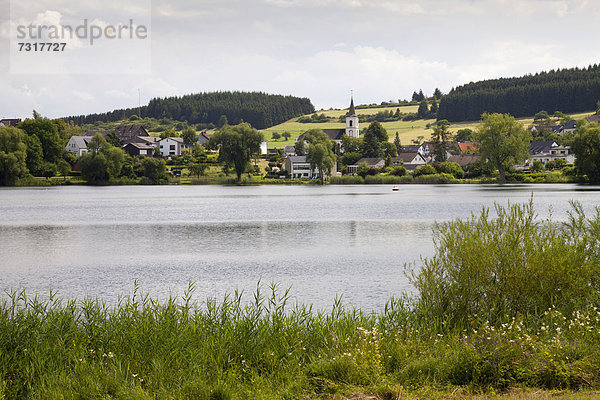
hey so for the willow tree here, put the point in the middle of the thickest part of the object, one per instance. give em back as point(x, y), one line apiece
point(237, 145)
point(319, 153)
point(504, 141)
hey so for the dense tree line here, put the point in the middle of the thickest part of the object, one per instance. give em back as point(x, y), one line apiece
point(568, 90)
point(261, 110)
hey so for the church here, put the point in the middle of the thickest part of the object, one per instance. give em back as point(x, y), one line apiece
point(351, 130)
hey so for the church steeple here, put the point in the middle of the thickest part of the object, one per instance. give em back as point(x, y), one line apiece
point(352, 111)
point(352, 121)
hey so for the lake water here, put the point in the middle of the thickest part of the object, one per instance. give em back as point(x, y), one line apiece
point(323, 242)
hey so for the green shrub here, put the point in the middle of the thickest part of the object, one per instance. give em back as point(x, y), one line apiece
point(424, 170)
point(537, 166)
point(391, 179)
point(398, 170)
point(434, 179)
point(493, 268)
point(450, 168)
point(373, 179)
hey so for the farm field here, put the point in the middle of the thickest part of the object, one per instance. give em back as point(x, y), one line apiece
point(407, 130)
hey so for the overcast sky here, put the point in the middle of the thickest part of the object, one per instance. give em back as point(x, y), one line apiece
point(320, 49)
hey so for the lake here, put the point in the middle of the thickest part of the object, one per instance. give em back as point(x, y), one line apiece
point(323, 242)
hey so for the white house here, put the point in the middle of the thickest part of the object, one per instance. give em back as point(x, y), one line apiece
point(554, 153)
point(203, 138)
point(299, 168)
point(409, 158)
point(263, 148)
point(570, 127)
point(78, 145)
point(171, 146)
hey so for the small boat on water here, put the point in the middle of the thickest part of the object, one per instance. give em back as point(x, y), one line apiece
point(395, 188)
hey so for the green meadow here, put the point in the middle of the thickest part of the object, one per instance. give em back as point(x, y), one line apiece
point(407, 130)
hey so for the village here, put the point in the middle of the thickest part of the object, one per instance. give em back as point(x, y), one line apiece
point(135, 140)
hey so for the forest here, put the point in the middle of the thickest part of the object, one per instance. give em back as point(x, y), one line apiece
point(568, 90)
point(261, 110)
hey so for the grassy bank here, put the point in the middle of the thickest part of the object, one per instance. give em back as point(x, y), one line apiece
point(506, 301)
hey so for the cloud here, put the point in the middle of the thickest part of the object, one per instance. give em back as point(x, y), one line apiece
point(515, 8)
point(82, 95)
point(317, 3)
point(401, 7)
point(118, 94)
point(263, 26)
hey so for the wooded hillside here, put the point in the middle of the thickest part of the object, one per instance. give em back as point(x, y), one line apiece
point(568, 90)
point(261, 110)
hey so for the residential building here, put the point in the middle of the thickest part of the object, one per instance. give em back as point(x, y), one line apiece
point(263, 148)
point(171, 146)
point(203, 138)
point(541, 147)
point(153, 141)
point(570, 127)
point(554, 153)
point(299, 168)
point(130, 133)
point(78, 145)
point(289, 151)
point(558, 129)
point(405, 158)
point(468, 147)
point(139, 149)
point(464, 160)
point(10, 122)
point(415, 148)
point(377, 163)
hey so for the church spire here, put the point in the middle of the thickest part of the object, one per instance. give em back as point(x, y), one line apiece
point(352, 120)
point(352, 111)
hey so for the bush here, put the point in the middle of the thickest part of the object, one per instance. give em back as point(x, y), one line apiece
point(569, 171)
point(451, 168)
point(434, 179)
point(398, 171)
point(373, 180)
point(479, 168)
point(556, 164)
point(537, 166)
point(154, 171)
point(347, 180)
point(496, 268)
point(424, 170)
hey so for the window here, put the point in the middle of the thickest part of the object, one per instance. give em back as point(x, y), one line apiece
point(172, 147)
point(350, 122)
